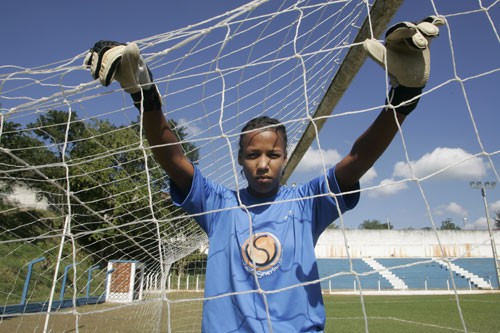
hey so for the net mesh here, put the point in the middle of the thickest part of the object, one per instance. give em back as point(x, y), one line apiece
point(81, 190)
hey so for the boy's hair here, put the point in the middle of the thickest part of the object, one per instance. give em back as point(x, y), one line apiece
point(260, 122)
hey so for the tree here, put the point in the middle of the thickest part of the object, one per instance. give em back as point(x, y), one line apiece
point(23, 150)
point(497, 219)
point(59, 129)
point(13, 220)
point(112, 181)
point(375, 224)
point(104, 166)
point(191, 151)
point(449, 225)
point(333, 226)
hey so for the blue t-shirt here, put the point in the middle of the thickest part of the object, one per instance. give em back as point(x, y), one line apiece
point(284, 229)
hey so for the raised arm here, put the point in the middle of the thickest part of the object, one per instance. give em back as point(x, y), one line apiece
point(166, 149)
point(406, 56)
point(110, 60)
point(367, 149)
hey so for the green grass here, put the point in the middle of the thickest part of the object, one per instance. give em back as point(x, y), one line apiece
point(438, 313)
point(388, 314)
point(14, 260)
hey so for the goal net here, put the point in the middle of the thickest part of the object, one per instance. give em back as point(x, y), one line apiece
point(89, 237)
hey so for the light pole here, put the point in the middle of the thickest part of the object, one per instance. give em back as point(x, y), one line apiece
point(483, 187)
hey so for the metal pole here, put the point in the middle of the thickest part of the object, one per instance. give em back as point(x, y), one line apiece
point(483, 187)
point(63, 287)
point(28, 278)
point(89, 279)
point(106, 284)
point(381, 14)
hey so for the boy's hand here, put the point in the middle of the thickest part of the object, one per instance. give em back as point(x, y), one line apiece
point(110, 60)
point(406, 51)
point(103, 60)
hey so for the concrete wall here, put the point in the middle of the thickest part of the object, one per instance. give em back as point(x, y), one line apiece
point(406, 243)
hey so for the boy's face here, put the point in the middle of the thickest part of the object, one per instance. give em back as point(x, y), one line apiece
point(263, 157)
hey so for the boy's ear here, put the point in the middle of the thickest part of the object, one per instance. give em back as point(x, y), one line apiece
point(239, 158)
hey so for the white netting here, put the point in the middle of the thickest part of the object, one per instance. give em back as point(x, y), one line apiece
point(81, 189)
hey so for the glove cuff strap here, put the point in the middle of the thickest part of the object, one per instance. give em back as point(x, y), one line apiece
point(402, 94)
point(147, 100)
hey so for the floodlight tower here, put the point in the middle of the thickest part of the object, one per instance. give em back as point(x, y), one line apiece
point(483, 187)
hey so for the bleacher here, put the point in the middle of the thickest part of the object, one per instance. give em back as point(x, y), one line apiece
point(417, 274)
point(347, 280)
point(483, 267)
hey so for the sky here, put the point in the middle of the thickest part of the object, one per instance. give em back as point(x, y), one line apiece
point(441, 132)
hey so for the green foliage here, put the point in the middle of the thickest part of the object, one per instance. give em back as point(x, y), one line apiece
point(333, 226)
point(193, 264)
point(449, 225)
point(21, 151)
point(497, 220)
point(104, 166)
point(375, 224)
point(110, 205)
point(191, 151)
point(59, 129)
point(16, 254)
point(17, 224)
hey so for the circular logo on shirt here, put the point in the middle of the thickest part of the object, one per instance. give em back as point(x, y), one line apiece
point(262, 252)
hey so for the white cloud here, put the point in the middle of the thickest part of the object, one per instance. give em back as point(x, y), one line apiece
point(452, 208)
point(495, 207)
point(445, 163)
point(479, 224)
point(387, 187)
point(368, 177)
point(191, 129)
point(312, 160)
point(448, 163)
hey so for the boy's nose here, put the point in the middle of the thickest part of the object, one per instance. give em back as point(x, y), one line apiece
point(263, 163)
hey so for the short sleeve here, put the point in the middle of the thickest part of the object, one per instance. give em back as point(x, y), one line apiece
point(328, 202)
point(203, 198)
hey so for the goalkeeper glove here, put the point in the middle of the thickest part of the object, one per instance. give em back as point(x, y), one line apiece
point(407, 57)
point(110, 60)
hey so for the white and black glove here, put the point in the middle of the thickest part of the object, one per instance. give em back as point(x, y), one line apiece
point(406, 55)
point(110, 60)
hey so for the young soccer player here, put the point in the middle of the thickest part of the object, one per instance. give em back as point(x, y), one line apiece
point(262, 238)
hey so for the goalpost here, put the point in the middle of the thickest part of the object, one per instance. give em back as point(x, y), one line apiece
point(82, 195)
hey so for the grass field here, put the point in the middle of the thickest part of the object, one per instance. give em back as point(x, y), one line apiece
point(481, 313)
point(433, 313)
